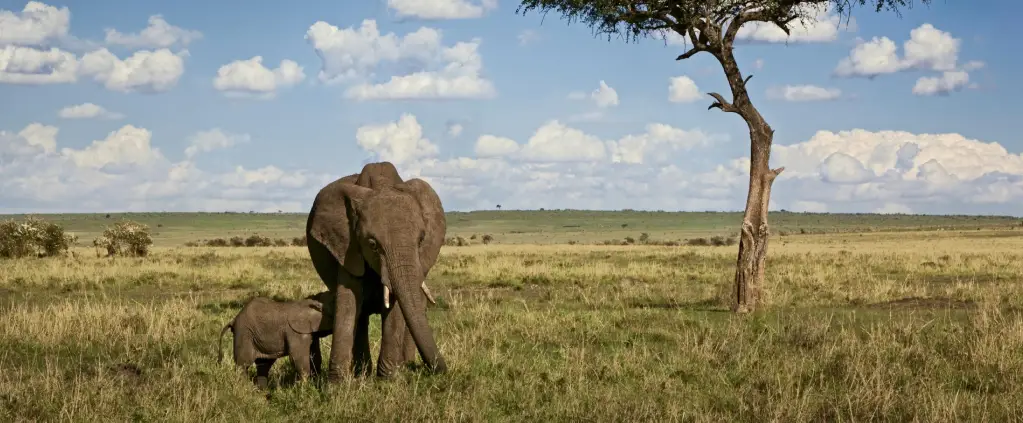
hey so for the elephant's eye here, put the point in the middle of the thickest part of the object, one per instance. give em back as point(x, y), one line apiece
point(373, 244)
point(422, 236)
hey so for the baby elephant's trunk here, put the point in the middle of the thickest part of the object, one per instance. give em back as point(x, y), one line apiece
point(220, 341)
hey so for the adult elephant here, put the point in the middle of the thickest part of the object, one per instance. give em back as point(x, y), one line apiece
point(373, 236)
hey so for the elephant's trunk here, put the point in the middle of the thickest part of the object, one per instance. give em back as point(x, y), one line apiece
point(406, 280)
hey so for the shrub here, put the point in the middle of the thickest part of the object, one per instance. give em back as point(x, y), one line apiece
point(280, 242)
point(237, 241)
point(33, 236)
point(217, 242)
point(698, 242)
point(299, 241)
point(644, 237)
point(487, 239)
point(716, 241)
point(629, 240)
point(258, 241)
point(456, 241)
point(125, 238)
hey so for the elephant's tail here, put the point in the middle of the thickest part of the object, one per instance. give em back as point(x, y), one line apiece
point(220, 340)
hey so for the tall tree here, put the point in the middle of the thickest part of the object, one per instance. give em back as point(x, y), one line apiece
point(711, 26)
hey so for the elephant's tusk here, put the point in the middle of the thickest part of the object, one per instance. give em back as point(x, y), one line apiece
point(429, 296)
point(387, 297)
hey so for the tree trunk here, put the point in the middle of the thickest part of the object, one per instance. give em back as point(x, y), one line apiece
point(751, 262)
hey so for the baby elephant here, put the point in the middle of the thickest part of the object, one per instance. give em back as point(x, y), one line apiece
point(265, 330)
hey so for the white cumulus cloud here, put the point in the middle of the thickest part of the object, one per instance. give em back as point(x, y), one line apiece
point(27, 65)
point(351, 53)
point(125, 172)
point(944, 84)
point(604, 96)
point(88, 111)
point(658, 167)
point(35, 51)
point(528, 36)
point(491, 146)
point(799, 93)
point(158, 34)
point(455, 129)
point(36, 24)
point(213, 139)
point(251, 78)
point(129, 145)
point(928, 49)
point(441, 9)
point(401, 142)
point(354, 55)
point(143, 71)
point(556, 142)
point(682, 89)
point(848, 171)
point(459, 79)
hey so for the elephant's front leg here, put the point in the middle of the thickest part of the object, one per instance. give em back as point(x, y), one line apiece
point(362, 362)
point(299, 348)
point(392, 341)
point(347, 309)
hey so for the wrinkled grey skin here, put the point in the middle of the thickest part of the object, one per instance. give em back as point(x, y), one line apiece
point(266, 330)
point(371, 233)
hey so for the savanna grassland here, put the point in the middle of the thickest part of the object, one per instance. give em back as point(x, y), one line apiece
point(863, 318)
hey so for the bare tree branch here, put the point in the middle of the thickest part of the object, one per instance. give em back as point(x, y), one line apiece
point(722, 104)
point(689, 53)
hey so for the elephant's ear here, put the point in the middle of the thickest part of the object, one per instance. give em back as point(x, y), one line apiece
point(331, 224)
point(433, 216)
point(306, 317)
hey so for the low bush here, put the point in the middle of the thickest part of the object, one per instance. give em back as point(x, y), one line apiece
point(127, 238)
point(33, 237)
point(456, 241)
point(254, 240)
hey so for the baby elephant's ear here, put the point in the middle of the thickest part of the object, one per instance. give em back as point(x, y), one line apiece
point(306, 317)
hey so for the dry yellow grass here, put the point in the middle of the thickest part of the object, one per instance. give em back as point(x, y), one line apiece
point(917, 326)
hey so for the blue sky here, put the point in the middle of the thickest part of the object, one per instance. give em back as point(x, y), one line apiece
point(905, 131)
